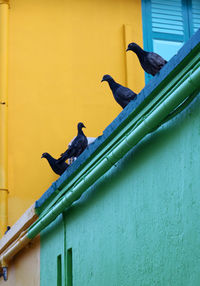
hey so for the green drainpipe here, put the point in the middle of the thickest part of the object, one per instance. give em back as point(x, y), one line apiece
point(190, 84)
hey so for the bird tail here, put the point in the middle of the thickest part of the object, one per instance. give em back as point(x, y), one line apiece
point(64, 156)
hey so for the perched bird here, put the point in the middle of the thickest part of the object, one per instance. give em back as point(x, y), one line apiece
point(123, 95)
point(150, 62)
point(8, 228)
point(78, 145)
point(57, 167)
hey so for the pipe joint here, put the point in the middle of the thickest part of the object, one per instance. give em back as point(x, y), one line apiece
point(4, 2)
point(192, 80)
point(4, 263)
point(5, 190)
point(111, 158)
point(126, 141)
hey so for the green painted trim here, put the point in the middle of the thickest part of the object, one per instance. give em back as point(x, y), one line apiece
point(183, 81)
point(59, 270)
point(190, 60)
point(69, 267)
point(179, 109)
point(40, 210)
point(65, 247)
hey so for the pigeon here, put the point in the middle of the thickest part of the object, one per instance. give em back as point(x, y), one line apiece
point(8, 228)
point(150, 62)
point(78, 145)
point(123, 95)
point(57, 167)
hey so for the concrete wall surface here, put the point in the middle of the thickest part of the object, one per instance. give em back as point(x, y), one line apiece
point(139, 224)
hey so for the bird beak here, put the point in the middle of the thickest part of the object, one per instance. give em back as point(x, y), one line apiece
point(84, 126)
point(102, 80)
point(127, 49)
point(42, 156)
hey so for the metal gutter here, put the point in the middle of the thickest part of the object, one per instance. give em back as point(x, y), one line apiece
point(3, 116)
point(15, 239)
point(119, 127)
point(153, 92)
point(22, 224)
point(147, 123)
point(13, 249)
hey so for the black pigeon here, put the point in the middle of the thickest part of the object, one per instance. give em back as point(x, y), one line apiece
point(150, 62)
point(8, 228)
point(78, 145)
point(57, 167)
point(123, 95)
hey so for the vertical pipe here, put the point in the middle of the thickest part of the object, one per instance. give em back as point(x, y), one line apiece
point(134, 77)
point(128, 64)
point(3, 116)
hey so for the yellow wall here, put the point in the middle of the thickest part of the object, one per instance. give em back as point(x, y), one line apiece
point(24, 269)
point(58, 53)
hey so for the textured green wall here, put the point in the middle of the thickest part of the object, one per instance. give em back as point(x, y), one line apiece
point(139, 224)
point(52, 247)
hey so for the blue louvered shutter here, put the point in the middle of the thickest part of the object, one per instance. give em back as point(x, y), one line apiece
point(167, 17)
point(195, 15)
point(167, 27)
point(163, 27)
point(167, 24)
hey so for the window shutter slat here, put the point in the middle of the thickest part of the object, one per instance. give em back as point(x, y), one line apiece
point(170, 17)
point(195, 15)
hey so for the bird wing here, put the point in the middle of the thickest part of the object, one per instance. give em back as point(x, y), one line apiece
point(80, 144)
point(75, 149)
point(61, 167)
point(156, 60)
point(125, 93)
point(77, 145)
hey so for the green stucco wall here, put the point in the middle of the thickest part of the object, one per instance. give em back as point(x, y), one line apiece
point(139, 224)
point(52, 247)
